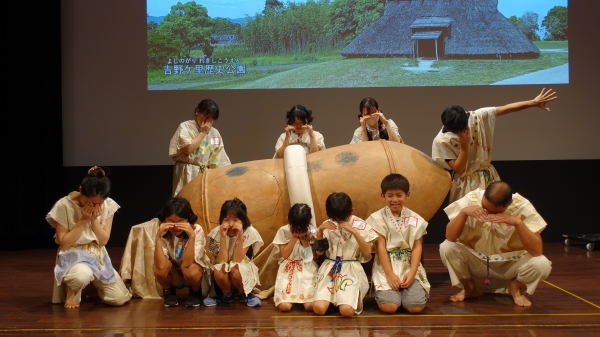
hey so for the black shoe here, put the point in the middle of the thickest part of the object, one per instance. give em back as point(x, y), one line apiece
point(170, 297)
point(194, 299)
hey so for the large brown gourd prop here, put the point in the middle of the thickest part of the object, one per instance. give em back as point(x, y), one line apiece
point(355, 169)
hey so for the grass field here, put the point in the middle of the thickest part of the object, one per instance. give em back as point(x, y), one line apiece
point(331, 70)
point(552, 44)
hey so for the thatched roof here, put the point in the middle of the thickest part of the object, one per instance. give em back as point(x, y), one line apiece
point(466, 28)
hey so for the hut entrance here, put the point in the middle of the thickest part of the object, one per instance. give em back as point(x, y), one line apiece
point(427, 44)
point(429, 35)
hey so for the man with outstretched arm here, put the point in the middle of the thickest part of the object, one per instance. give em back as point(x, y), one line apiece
point(464, 145)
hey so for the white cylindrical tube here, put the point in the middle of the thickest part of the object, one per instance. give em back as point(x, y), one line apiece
point(296, 176)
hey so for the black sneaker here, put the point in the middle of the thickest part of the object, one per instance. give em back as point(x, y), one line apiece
point(170, 297)
point(194, 299)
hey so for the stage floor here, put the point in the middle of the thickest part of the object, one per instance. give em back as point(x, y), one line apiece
point(566, 304)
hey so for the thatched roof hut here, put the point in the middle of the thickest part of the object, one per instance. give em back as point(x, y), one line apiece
point(442, 28)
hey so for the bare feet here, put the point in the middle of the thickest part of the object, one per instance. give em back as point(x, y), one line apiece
point(516, 291)
point(69, 303)
point(464, 295)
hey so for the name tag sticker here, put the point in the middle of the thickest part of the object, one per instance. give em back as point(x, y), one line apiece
point(411, 221)
point(359, 224)
point(216, 141)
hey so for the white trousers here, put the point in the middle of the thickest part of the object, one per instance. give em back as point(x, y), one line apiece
point(462, 264)
point(81, 275)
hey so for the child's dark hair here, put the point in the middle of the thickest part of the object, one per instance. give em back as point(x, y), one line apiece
point(236, 208)
point(178, 206)
point(395, 181)
point(208, 107)
point(338, 206)
point(299, 218)
point(371, 104)
point(96, 183)
point(455, 119)
point(299, 111)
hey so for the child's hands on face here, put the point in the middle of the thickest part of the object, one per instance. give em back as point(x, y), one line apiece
point(345, 225)
point(186, 227)
point(239, 227)
point(288, 130)
point(309, 129)
point(224, 228)
point(301, 236)
point(463, 137)
point(327, 225)
point(205, 127)
point(163, 228)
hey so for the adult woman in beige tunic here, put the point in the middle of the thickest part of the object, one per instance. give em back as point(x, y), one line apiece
point(83, 222)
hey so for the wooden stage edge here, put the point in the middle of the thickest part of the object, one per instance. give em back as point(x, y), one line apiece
point(566, 304)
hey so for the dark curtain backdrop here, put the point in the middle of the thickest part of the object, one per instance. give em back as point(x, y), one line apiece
point(31, 122)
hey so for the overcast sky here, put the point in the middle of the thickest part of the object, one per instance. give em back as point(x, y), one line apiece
point(234, 9)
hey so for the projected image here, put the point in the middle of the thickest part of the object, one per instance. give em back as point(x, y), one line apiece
point(271, 44)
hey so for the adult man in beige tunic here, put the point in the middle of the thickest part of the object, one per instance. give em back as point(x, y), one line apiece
point(464, 145)
point(493, 245)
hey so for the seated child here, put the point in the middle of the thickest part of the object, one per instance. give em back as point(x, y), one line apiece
point(346, 240)
point(399, 246)
point(233, 244)
point(297, 271)
point(179, 256)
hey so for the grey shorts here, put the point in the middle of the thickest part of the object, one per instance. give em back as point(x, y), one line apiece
point(411, 297)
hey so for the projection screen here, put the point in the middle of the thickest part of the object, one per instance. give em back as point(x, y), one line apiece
point(121, 104)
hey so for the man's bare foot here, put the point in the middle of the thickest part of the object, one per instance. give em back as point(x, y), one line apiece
point(517, 294)
point(464, 295)
point(69, 303)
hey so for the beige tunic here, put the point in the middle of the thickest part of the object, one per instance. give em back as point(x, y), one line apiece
point(210, 153)
point(374, 132)
point(399, 235)
point(67, 213)
point(248, 269)
point(137, 263)
point(297, 275)
point(479, 171)
point(496, 242)
point(350, 285)
point(174, 248)
point(304, 140)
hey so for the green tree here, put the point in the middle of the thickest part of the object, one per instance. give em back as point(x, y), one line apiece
point(224, 26)
point(528, 24)
point(161, 46)
point(556, 24)
point(300, 27)
point(191, 25)
point(515, 20)
point(272, 4)
point(348, 18)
